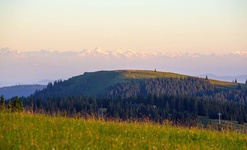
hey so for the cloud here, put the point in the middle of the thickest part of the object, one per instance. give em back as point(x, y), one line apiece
point(240, 53)
point(18, 67)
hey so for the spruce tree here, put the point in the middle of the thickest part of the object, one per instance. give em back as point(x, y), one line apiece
point(2, 103)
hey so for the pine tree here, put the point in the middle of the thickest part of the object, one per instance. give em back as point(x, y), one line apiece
point(15, 104)
point(2, 103)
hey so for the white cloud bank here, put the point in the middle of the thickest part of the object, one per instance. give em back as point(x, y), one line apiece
point(30, 67)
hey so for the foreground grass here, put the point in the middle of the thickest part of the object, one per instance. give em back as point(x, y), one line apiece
point(28, 131)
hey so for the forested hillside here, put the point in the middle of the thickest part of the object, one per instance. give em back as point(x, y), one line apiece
point(132, 83)
point(143, 94)
point(185, 87)
point(182, 109)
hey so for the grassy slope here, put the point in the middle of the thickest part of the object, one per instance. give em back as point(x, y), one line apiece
point(224, 123)
point(97, 82)
point(227, 85)
point(27, 131)
point(222, 83)
point(147, 74)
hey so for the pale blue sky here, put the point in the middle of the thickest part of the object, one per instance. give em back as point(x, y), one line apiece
point(203, 26)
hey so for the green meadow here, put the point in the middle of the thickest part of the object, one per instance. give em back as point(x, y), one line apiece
point(34, 131)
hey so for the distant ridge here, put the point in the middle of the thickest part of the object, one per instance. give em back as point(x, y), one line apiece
point(20, 90)
point(240, 79)
point(44, 82)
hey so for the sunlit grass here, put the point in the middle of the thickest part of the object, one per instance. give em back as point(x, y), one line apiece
point(148, 74)
point(223, 83)
point(29, 131)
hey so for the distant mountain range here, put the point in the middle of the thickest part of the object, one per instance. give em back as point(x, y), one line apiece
point(240, 79)
point(20, 90)
point(116, 53)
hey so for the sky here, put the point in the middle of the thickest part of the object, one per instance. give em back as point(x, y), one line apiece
point(203, 26)
point(57, 39)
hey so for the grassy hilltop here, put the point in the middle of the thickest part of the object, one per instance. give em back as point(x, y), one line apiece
point(149, 74)
point(97, 82)
point(28, 131)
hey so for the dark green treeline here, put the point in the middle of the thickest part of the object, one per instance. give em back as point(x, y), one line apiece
point(182, 109)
